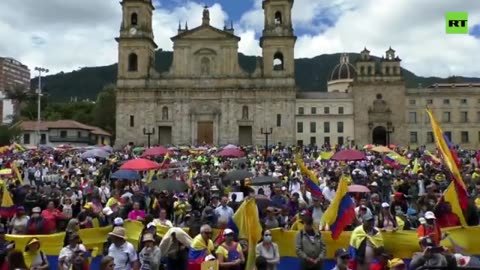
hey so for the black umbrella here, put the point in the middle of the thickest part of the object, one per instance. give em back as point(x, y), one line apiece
point(238, 175)
point(263, 202)
point(264, 180)
point(168, 184)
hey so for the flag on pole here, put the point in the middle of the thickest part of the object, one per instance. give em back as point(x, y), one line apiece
point(449, 160)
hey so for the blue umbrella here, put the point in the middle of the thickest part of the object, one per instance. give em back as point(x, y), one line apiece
point(94, 153)
point(126, 174)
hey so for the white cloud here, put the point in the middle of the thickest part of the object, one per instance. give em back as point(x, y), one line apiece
point(65, 35)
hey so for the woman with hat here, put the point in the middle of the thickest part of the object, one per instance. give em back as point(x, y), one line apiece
point(67, 254)
point(123, 252)
point(34, 257)
point(36, 223)
point(230, 253)
point(150, 254)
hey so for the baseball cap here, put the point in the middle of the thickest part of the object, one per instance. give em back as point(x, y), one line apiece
point(395, 262)
point(385, 205)
point(118, 221)
point(228, 231)
point(341, 253)
point(430, 215)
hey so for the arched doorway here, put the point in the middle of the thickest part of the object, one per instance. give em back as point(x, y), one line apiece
point(379, 135)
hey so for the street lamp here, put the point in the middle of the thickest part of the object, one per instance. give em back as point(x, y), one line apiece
point(266, 132)
point(148, 133)
point(390, 129)
point(39, 92)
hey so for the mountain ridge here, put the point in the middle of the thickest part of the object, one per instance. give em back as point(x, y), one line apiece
point(311, 74)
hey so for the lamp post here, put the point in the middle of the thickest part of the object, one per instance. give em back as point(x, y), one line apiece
point(390, 130)
point(267, 133)
point(148, 133)
point(39, 109)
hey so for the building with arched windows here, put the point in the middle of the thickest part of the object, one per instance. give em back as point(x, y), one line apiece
point(207, 97)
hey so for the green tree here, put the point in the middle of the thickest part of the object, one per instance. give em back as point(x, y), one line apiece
point(8, 134)
point(19, 95)
point(105, 108)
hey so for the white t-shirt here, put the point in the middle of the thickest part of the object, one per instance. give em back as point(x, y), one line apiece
point(123, 256)
point(66, 254)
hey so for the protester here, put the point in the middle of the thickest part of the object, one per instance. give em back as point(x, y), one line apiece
point(230, 253)
point(310, 246)
point(34, 257)
point(341, 257)
point(66, 258)
point(123, 253)
point(269, 250)
point(150, 255)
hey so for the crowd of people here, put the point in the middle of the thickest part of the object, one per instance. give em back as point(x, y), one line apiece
point(56, 190)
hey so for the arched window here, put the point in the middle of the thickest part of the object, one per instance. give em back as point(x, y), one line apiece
point(278, 17)
point(132, 62)
point(245, 112)
point(165, 113)
point(278, 61)
point(205, 66)
point(134, 19)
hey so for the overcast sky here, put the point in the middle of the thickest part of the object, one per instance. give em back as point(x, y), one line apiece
point(63, 35)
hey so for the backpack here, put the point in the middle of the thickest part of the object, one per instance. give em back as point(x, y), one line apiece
point(44, 259)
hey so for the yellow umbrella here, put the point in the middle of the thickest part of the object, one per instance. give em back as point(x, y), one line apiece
point(381, 149)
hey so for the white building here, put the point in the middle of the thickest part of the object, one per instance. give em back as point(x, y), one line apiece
point(6, 109)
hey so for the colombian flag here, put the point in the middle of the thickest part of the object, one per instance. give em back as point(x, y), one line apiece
point(450, 195)
point(341, 211)
point(199, 250)
point(311, 183)
point(449, 160)
point(246, 224)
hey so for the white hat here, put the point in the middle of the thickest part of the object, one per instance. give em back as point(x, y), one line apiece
point(422, 220)
point(385, 205)
point(107, 211)
point(284, 188)
point(151, 224)
point(118, 221)
point(227, 231)
point(374, 184)
point(430, 215)
point(210, 258)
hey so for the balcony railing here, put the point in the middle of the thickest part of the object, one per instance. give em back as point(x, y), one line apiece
point(71, 139)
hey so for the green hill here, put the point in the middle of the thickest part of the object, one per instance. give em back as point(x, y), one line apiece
point(311, 75)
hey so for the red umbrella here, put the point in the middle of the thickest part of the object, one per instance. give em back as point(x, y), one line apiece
point(232, 152)
point(157, 151)
point(140, 164)
point(349, 155)
point(358, 189)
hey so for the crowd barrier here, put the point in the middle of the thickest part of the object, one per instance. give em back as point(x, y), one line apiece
point(402, 244)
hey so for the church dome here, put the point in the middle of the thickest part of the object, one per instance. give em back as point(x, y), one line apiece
point(344, 70)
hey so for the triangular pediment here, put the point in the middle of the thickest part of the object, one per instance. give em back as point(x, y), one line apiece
point(204, 32)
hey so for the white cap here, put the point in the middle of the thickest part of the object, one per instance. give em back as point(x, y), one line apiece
point(227, 231)
point(422, 220)
point(151, 224)
point(374, 184)
point(107, 211)
point(284, 188)
point(210, 258)
point(385, 205)
point(430, 215)
point(118, 221)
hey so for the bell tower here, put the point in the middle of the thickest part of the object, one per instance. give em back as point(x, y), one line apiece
point(136, 45)
point(278, 39)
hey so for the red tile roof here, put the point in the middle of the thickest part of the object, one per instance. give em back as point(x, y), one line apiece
point(62, 124)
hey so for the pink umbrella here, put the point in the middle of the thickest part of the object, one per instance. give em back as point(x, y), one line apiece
point(232, 152)
point(157, 151)
point(140, 164)
point(348, 155)
point(358, 189)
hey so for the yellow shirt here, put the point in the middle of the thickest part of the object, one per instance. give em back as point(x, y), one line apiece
point(112, 202)
point(297, 226)
point(477, 202)
point(221, 250)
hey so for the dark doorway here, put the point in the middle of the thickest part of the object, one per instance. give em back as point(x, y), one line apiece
point(379, 135)
point(245, 135)
point(165, 135)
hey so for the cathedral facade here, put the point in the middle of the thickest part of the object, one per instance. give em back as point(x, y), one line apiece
point(207, 98)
